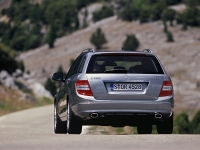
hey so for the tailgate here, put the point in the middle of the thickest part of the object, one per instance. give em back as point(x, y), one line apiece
point(125, 86)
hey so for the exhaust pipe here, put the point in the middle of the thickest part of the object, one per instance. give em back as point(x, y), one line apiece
point(158, 115)
point(94, 115)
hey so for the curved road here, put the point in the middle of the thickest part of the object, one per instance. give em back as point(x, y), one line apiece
point(33, 129)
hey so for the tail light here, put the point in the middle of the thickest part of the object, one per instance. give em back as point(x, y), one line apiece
point(167, 89)
point(83, 88)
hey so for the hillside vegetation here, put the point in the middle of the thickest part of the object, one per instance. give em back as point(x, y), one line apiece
point(180, 58)
point(51, 34)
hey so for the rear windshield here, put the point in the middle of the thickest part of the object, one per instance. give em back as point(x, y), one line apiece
point(131, 64)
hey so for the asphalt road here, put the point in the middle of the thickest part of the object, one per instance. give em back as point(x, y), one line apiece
point(33, 129)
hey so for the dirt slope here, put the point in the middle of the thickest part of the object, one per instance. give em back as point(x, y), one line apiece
point(181, 58)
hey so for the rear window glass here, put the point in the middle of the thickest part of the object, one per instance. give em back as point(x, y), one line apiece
point(124, 64)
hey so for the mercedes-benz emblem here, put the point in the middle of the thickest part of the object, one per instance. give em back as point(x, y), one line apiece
point(126, 77)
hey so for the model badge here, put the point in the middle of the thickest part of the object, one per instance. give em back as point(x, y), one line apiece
point(95, 78)
point(126, 77)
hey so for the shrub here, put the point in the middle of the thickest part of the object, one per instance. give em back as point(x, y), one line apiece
point(198, 84)
point(3, 28)
point(51, 37)
point(182, 124)
point(104, 12)
point(50, 86)
point(169, 15)
point(21, 65)
point(144, 15)
point(98, 39)
point(60, 69)
point(33, 41)
point(173, 2)
point(7, 59)
point(165, 27)
point(131, 43)
point(169, 37)
point(191, 16)
point(195, 123)
point(18, 43)
point(71, 61)
point(192, 3)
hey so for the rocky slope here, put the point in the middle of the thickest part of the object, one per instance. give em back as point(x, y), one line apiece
point(181, 58)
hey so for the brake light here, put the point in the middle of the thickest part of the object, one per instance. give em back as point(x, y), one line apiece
point(83, 88)
point(167, 89)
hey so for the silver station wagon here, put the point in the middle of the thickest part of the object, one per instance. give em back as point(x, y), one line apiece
point(115, 88)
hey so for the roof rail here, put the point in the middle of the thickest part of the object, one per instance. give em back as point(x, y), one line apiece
point(87, 50)
point(147, 50)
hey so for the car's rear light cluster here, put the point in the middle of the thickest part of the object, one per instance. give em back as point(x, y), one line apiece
point(167, 89)
point(83, 88)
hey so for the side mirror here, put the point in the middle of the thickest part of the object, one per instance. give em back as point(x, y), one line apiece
point(58, 76)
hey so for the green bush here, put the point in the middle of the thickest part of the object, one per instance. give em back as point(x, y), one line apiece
point(165, 27)
point(192, 3)
point(28, 19)
point(104, 12)
point(18, 43)
point(169, 15)
point(173, 2)
point(131, 43)
point(192, 16)
point(71, 61)
point(169, 37)
point(50, 86)
point(98, 39)
point(51, 37)
point(195, 123)
point(144, 15)
point(33, 41)
point(3, 28)
point(144, 10)
point(7, 59)
point(182, 124)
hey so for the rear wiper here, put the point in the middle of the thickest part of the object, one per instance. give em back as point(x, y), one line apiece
point(116, 71)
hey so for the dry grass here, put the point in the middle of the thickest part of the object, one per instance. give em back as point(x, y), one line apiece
point(12, 100)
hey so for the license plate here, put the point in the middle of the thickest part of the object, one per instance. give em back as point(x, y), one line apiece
point(126, 86)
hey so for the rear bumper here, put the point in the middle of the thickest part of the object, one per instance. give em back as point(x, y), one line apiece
point(104, 108)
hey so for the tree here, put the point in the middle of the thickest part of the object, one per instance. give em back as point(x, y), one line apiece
point(173, 2)
point(131, 43)
point(21, 65)
point(104, 12)
point(98, 39)
point(182, 124)
point(191, 16)
point(169, 37)
point(7, 59)
point(169, 15)
point(192, 3)
point(3, 28)
point(165, 27)
point(71, 61)
point(60, 69)
point(50, 86)
point(51, 37)
point(144, 15)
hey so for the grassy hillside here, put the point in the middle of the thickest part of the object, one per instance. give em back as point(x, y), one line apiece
point(14, 100)
point(180, 58)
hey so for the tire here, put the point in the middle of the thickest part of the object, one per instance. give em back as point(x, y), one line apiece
point(144, 129)
point(59, 126)
point(73, 125)
point(166, 127)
